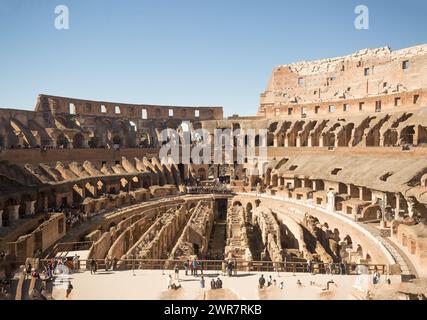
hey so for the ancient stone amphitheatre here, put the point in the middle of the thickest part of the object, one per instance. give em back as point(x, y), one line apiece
point(338, 198)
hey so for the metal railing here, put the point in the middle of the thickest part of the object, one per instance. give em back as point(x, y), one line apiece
point(220, 266)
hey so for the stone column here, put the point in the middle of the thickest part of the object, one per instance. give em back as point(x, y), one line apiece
point(13, 212)
point(314, 185)
point(353, 131)
point(298, 141)
point(361, 193)
point(349, 190)
point(30, 208)
point(381, 139)
point(397, 210)
point(331, 201)
point(286, 142)
point(321, 141)
point(309, 142)
point(303, 183)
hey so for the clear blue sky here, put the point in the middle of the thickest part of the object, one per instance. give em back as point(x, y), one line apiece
point(183, 52)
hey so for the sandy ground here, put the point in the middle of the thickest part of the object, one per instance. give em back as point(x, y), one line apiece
point(152, 285)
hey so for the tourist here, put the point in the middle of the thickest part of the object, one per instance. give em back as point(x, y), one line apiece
point(35, 274)
point(261, 282)
point(191, 268)
point(92, 266)
point(186, 266)
point(281, 285)
point(299, 283)
point(327, 268)
point(270, 281)
point(342, 268)
point(202, 282)
point(195, 267)
point(200, 265)
point(169, 282)
point(107, 263)
point(376, 276)
point(213, 284)
point(309, 266)
point(176, 269)
point(115, 260)
point(69, 289)
point(28, 269)
point(218, 283)
point(76, 262)
point(230, 268)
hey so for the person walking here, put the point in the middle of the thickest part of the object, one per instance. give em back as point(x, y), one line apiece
point(69, 289)
point(186, 266)
point(176, 269)
point(92, 266)
point(261, 282)
point(191, 268)
point(195, 267)
point(76, 262)
point(202, 282)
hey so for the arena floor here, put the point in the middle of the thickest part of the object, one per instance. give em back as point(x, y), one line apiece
point(152, 285)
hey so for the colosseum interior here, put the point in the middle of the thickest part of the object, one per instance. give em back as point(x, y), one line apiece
point(344, 179)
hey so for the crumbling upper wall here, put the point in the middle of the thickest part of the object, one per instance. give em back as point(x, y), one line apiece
point(368, 72)
point(58, 105)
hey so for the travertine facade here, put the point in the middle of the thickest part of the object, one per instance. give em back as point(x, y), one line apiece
point(345, 181)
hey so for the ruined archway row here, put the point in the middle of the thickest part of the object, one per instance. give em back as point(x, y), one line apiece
point(381, 130)
point(290, 232)
point(31, 189)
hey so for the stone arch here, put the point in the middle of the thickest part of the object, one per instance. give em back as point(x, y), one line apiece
point(78, 141)
point(390, 138)
point(201, 173)
point(93, 142)
point(117, 140)
point(407, 135)
point(338, 202)
point(237, 203)
point(62, 141)
point(257, 140)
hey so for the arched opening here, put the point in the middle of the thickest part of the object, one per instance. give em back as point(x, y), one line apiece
point(407, 135)
point(145, 140)
point(78, 141)
point(237, 204)
point(390, 138)
point(93, 142)
point(117, 140)
point(201, 173)
point(249, 212)
point(62, 141)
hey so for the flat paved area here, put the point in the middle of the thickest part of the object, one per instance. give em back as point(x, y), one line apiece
point(152, 285)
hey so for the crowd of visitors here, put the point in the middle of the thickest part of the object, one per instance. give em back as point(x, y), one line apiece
point(222, 189)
